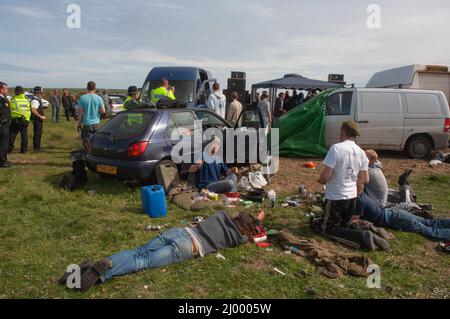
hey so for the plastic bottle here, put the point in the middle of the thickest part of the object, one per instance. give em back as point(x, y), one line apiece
point(273, 198)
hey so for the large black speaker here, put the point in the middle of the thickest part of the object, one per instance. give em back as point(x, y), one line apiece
point(238, 75)
point(236, 84)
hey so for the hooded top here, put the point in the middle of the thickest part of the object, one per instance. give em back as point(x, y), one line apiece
point(377, 188)
point(217, 103)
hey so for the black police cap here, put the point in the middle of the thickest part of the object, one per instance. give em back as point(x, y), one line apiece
point(38, 89)
point(132, 90)
point(19, 89)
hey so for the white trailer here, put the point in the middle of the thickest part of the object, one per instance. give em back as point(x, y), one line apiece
point(420, 77)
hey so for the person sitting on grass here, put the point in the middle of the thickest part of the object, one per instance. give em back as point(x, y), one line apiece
point(377, 187)
point(210, 171)
point(220, 231)
point(398, 219)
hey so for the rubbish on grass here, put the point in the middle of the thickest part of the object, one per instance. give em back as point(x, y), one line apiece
point(288, 252)
point(145, 287)
point(244, 183)
point(156, 227)
point(264, 245)
point(279, 271)
point(248, 204)
point(220, 256)
point(310, 215)
point(293, 201)
point(197, 219)
point(258, 240)
point(269, 249)
point(273, 198)
point(316, 209)
point(310, 165)
point(257, 180)
point(302, 191)
point(272, 232)
point(92, 192)
point(444, 247)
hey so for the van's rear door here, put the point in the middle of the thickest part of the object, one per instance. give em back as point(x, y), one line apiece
point(380, 116)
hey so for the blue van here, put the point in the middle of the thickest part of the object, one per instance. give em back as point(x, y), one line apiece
point(192, 85)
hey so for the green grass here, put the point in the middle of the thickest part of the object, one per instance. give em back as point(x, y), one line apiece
point(43, 229)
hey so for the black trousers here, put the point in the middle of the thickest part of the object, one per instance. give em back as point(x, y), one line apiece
point(338, 215)
point(4, 143)
point(38, 127)
point(16, 128)
point(70, 112)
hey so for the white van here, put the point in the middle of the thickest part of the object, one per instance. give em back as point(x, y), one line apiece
point(416, 121)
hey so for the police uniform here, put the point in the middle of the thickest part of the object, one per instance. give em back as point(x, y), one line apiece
point(131, 104)
point(38, 124)
point(20, 118)
point(5, 119)
point(161, 92)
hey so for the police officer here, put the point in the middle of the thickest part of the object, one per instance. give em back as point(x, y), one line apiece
point(5, 119)
point(20, 118)
point(163, 91)
point(37, 109)
point(132, 103)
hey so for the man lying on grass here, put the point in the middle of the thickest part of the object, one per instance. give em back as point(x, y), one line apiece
point(398, 219)
point(174, 246)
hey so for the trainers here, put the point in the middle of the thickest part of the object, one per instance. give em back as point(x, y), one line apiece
point(368, 240)
point(403, 179)
point(381, 243)
point(85, 265)
point(93, 274)
point(6, 165)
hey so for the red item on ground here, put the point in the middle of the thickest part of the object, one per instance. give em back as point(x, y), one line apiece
point(264, 245)
point(233, 195)
point(310, 165)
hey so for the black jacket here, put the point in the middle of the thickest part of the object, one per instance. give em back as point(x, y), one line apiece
point(5, 111)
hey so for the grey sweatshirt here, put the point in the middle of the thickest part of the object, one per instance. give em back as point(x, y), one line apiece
point(218, 232)
point(377, 188)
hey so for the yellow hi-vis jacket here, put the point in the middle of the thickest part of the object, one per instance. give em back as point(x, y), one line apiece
point(161, 92)
point(20, 107)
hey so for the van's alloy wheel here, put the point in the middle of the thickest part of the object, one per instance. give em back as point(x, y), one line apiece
point(419, 147)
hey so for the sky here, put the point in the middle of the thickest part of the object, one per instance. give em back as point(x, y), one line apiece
point(120, 41)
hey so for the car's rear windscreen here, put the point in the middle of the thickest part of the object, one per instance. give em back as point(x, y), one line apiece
point(127, 125)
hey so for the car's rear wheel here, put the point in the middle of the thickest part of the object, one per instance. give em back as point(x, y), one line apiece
point(419, 147)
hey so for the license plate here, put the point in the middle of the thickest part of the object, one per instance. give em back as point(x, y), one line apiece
point(106, 169)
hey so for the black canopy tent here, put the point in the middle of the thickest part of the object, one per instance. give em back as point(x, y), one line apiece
point(291, 81)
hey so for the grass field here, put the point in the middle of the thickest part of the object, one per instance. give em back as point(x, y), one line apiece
point(43, 229)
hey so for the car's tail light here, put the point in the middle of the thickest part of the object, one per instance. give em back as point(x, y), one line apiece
point(447, 125)
point(137, 149)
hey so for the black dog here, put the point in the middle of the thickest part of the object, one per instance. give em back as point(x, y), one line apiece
point(77, 179)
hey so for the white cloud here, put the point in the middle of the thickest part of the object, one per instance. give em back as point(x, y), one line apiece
point(32, 11)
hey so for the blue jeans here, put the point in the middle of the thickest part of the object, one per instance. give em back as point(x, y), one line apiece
point(226, 185)
point(171, 247)
point(402, 220)
point(55, 113)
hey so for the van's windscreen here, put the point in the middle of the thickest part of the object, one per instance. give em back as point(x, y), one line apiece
point(184, 90)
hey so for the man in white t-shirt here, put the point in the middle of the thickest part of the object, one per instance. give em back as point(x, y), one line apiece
point(346, 166)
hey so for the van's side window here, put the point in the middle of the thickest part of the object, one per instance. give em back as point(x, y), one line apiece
point(340, 103)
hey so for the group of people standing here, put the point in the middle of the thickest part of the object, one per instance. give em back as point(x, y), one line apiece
point(283, 104)
point(17, 112)
point(15, 117)
point(69, 103)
